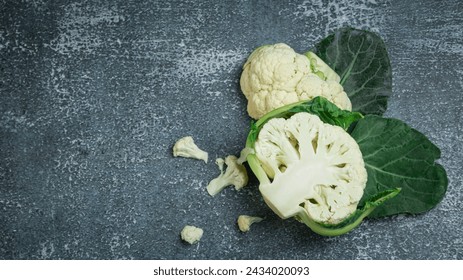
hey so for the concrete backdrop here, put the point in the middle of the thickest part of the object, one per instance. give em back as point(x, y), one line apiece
point(93, 94)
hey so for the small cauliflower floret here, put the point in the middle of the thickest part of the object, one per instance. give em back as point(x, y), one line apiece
point(186, 147)
point(317, 169)
point(191, 234)
point(275, 75)
point(235, 174)
point(245, 222)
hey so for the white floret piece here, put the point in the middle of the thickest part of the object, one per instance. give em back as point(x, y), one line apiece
point(191, 234)
point(186, 147)
point(317, 168)
point(275, 75)
point(235, 174)
point(245, 222)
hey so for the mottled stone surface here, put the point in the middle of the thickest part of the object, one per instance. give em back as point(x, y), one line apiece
point(93, 94)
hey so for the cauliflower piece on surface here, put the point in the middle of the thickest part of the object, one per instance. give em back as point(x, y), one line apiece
point(275, 75)
point(245, 222)
point(186, 147)
point(235, 174)
point(317, 168)
point(191, 234)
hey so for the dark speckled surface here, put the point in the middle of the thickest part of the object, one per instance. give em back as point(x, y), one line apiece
point(93, 94)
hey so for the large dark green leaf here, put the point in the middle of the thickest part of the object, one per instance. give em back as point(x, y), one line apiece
point(361, 60)
point(398, 156)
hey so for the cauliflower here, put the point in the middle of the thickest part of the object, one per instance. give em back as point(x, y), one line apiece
point(235, 175)
point(191, 234)
point(316, 169)
point(186, 147)
point(245, 222)
point(275, 75)
point(310, 168)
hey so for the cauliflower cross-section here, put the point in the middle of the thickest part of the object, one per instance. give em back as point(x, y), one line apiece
point(316, 168)
point(275, 75)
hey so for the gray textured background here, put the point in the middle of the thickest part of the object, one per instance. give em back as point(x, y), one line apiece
point(93, 94)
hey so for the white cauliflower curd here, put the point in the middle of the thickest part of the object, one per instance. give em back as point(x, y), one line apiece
point(275, 75)
point(191, 234)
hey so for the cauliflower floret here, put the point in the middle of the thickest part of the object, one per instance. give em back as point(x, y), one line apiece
point(235, 174)
point(245, 222)
point(186, 147)
point(317, 168)
point(275, 75)
point(191, 234)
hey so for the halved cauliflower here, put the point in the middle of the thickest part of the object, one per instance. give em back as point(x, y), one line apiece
point(316, 169)
point(275, 75)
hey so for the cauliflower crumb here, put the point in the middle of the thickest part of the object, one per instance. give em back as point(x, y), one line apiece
point(245, 222)
point(235, 175)
point(186, 147)
point(191, 234)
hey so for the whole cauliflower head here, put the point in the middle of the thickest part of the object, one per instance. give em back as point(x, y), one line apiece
point(275, 75)
point(316, 169)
